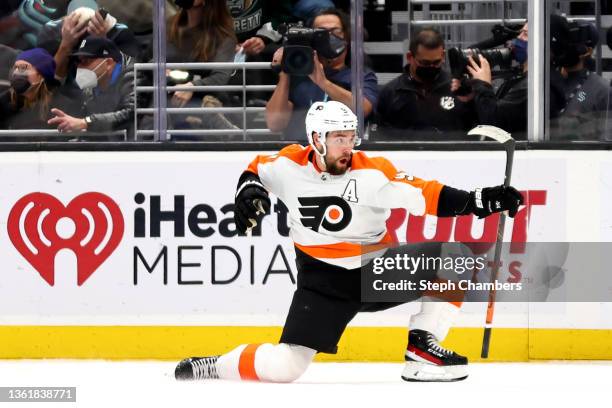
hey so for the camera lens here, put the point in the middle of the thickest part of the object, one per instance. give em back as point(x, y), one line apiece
point(298, 60)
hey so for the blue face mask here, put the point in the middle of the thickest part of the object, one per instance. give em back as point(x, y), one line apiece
point(519, 48)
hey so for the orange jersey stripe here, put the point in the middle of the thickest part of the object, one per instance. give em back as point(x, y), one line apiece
point(294, 152)
point(344, 249)
point(246, 365)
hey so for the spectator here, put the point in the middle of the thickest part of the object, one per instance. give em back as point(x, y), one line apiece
point(421, 98)
point(202, 31)
point(255, 23)
point(26, 104)
point(506, 108)
point(587, 95)
point(61, 37)
point(330, 80)
point(106, 78)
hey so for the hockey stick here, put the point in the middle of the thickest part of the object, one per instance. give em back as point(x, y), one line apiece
point(503, 137)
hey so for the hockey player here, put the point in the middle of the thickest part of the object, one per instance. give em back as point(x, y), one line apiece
point(338, 199)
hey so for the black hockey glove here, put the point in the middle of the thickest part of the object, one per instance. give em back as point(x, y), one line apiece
point(489, 200)
point(251, 200)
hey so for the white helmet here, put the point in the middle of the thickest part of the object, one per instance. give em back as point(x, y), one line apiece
point(324, 117)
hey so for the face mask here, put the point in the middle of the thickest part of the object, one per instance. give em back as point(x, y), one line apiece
point(87, 78)
point(519, 48)
point(331, 49)
point(428, 74)
point(184, 4)
point(240, 56)
point(20, 83)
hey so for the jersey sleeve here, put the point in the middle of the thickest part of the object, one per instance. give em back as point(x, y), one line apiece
point(270, 170)
point(405, 191)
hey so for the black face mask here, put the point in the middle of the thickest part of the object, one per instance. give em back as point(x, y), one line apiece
point(428, 74)
point(184, 4)
point(331, 49)
point(20, 83)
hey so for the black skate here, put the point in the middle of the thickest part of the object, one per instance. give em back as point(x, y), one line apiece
point(197, 368)
point(426, 360)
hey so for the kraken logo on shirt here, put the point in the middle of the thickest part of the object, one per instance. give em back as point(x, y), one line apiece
point(332, 213)
point(447, 102)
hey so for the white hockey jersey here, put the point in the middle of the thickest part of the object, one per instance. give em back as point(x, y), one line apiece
point(332, 217)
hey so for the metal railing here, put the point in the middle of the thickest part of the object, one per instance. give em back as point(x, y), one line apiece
point(53, 133)
point(244, 88)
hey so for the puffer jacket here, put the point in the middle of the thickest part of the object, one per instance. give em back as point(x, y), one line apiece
point(113, 108)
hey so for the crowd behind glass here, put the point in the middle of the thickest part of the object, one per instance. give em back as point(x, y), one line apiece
point(68, 66)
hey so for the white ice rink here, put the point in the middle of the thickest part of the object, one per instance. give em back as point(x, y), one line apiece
point(152, 384)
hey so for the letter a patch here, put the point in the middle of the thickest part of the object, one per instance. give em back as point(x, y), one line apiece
point(350, 192)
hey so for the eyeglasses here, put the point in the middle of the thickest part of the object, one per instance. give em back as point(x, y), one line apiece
point(337, 31)
point(22, 69)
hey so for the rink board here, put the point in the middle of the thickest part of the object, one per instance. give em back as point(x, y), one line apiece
point(196, 300)
point(357, 344)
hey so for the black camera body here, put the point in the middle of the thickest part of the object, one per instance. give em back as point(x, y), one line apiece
point(299, 43)
point(497, 57)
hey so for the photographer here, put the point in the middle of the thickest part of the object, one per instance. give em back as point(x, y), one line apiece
point(506, 108)
point(421, 98)
point(587, 95)
point(330, 80)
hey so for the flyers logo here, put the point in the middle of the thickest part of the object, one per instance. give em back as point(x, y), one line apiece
point(91, 225)
point(331, 213)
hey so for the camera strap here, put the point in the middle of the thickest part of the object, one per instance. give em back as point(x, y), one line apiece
point(325, 98)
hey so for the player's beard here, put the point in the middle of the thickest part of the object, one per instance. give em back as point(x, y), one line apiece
point(339, 166)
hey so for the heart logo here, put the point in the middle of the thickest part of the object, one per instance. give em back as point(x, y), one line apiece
point(91, 225)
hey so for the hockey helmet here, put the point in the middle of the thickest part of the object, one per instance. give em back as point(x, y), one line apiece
point(325, 117)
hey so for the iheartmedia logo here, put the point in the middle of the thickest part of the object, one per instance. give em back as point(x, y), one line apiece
point(91, 225)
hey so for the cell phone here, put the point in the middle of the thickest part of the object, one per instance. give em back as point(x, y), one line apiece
point(103, 12)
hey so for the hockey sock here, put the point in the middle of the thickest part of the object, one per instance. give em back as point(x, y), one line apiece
point(435, 317)
point(265, 362)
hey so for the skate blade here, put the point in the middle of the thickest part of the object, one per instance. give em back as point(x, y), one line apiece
point(416, 371)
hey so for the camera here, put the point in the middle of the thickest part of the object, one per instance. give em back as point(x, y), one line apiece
point(299, 43)
point(497, 57)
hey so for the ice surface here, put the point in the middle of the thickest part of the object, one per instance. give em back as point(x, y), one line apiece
point(152, 384)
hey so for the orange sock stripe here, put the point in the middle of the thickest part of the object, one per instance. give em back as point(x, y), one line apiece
point(246, 365)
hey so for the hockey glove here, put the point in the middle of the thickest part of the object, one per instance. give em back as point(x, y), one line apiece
point(489, 200)
point(251, 200)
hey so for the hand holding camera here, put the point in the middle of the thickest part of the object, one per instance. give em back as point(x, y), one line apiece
point(481, 71)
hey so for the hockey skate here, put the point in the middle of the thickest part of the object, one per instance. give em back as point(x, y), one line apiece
point(427, 361)
point(197, 368)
